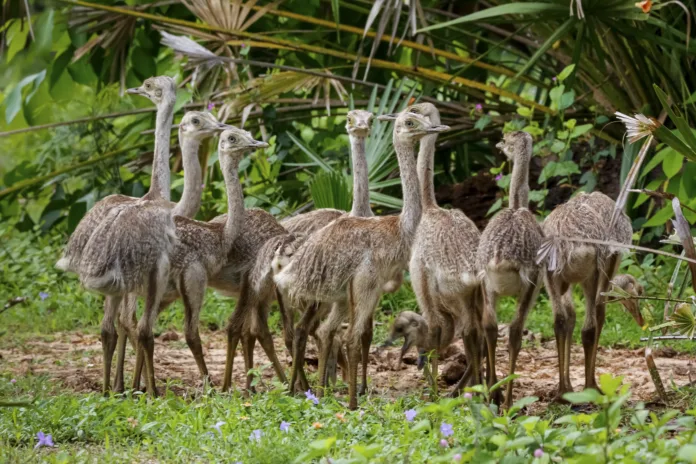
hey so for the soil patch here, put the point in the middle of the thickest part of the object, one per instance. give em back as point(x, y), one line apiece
point(75, 360)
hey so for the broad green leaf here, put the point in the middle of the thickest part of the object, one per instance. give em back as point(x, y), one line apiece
point(654, 161)
point(524, 111)
point(557, 146)
point(672, 163)
point(502, 10)
point(687, 453)
point(567, 100)
point(558, 168)
point(580, 130)
point(563, 75)
point(660, 217)
point(610, 384)
point(586, 396)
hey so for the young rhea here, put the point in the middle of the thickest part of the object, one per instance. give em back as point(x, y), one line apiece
point(352, 258)
point(195, 127)
point(593, 267)
point(358, 126)
point(507, 253)
point(129, 253)
point(443, 264)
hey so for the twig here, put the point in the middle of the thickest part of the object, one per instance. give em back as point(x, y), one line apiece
point(655, 375)
point(668, 337)
point(13, 302)
point(684, 233)
point(661, 195)
point(656, 298)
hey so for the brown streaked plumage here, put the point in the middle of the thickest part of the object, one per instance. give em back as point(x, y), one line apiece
point(187, 206)
point(358, 126)
point(352, 258)
point(443, 264)
point(161, 91)
point(414, 329)
point(129, 252)
point(506, 256)
point(592, 266)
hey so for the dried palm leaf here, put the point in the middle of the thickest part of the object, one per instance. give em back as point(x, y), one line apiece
point(390, 11)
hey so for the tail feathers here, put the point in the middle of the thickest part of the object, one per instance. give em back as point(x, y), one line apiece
point(64, 264)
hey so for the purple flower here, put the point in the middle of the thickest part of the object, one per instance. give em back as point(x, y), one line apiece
point(202, 186)
point(446, 429)
point(443, 443)
point(310, 396)
point(497, 178)
point(410, 415)
point(211, 105)
point(256, 435)
point(554, 78)
point(44, 440)
point(284, 426)
point(457, 457)
point(218, 426)
point(362, 413)
point(43, 295)
point(479, 107)
point(538, 453)
point(243, 45)
point(468, 396)
point(13, 381)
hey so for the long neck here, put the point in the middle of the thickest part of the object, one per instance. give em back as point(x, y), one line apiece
point(235, 200)
point(159, 182)
point(412, 210)
point(519, 183)
point(190, 201)
point(426, 166)
point(361, 181)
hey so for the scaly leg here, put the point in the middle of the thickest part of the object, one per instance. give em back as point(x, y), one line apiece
point(362, 301)
point(248, 342)
point(126, 331)
point(490, 329)
point(366, 341)
point(561, 298)
point(589, 329)
point(109, 337)
point(155, 290)
point(235, 326)
point(192, 287)
point(288, 322)
point(263, 334)
point(527, 300)
point(299, 347)
point(326, 334)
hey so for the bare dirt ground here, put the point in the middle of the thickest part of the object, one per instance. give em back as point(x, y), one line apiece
point(75, 360)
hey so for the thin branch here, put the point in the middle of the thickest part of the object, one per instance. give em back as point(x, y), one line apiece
point(661, 195)
point(668, 337)
point(30, 182)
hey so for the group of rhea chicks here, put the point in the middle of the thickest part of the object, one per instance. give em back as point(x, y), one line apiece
point(328, 268)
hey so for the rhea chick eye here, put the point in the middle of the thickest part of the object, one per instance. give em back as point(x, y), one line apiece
point(231, 139)
point(196, 121)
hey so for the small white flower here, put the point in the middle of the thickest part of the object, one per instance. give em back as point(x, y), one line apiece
point(639, 126)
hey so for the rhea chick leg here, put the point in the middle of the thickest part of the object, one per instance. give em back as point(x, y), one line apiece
point(527, 300)
point(109, 337)
point(192, 287)
point(263, 334)
point(235, 327)
point(589, 329)
point(126, 331)
point(561, 298)
point(490, 330)
point(300, 345)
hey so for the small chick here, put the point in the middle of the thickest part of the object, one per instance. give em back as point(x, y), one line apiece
point(413, 327)
point(630, 285)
